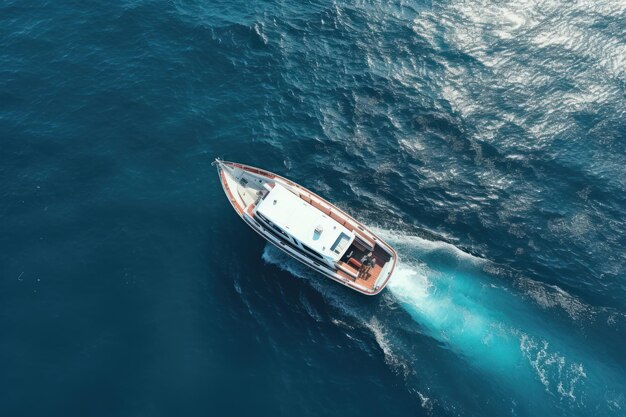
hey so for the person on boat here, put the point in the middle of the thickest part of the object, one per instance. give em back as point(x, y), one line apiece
point(367, 262)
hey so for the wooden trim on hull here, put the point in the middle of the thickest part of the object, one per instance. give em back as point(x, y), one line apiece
point(360, 230)
point(229, 194)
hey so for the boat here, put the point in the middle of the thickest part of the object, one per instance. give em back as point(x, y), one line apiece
point(307, 227)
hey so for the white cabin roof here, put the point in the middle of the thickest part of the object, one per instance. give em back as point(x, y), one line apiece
point(300, 219)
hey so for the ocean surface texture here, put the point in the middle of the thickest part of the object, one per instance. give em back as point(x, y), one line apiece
point(484, 139)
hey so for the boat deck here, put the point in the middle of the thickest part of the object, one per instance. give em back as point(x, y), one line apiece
point(380, 257)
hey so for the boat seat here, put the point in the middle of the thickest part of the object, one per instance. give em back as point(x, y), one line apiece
point(354, 263)
point(342, 266)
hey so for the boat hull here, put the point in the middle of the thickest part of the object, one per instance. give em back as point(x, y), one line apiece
point(243, 208)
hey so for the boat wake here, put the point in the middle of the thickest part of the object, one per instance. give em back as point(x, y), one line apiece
point(508, 338)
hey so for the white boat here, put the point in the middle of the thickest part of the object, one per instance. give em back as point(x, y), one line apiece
point(307, 227)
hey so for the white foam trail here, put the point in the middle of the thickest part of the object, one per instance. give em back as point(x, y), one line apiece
point(463, 324)
point(548, 364)
point(456, 310)
point(391, 358)
point(411, 242)
point(545, 296)
point(551, 296)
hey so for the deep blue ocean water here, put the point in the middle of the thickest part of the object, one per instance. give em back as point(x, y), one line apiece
point(485, 140)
